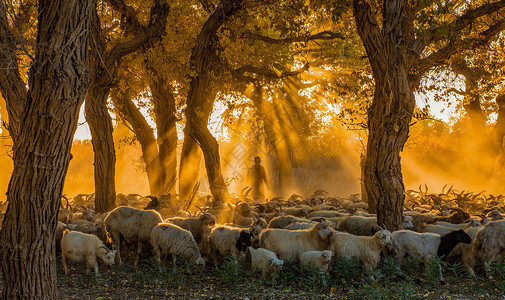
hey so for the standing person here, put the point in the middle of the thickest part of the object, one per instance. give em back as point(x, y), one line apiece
point(257, 175)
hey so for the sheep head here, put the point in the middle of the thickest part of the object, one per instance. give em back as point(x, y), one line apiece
point(324, 229)
point(407, 222)
point(383, 239)
point(106, 255)
point(207, 219)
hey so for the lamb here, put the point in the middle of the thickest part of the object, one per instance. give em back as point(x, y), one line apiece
point(365, 226)
point(196, 225)
point(78, 246)
point(170, 239)
point(423, 247)
point(264, 260)
point(317, 259)
point(225, 240)
point(290, 244)
point(489, 242)
point(283, 221)
point(365, 249)
point(133, 225)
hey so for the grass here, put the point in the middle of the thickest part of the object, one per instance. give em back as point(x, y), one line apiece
point(345, 278)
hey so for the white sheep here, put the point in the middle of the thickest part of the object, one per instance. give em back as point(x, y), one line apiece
point(290, 244)
point(423, 247)
point(227, 240)
point(170, 239)
point(77, 246)
point(366, 249)
point(489, 242)
point(196, 225)
point(317, 259)
point(264, 260)
point(365, 226)
point(133, 225)
point(283, 221)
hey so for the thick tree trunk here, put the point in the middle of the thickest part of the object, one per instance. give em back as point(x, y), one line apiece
point(100, 125)
point(164, 111)
point(145, 135)
point(189, 167)
point(199, 102)
point(58, 82)
point(390, 113)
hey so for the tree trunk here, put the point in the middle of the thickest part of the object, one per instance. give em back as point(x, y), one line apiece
point(390, 113)
point(42, 148)
point(189, 167)
point(202, 60)
point(145, 135)
point(100, 125)
point(164, 111)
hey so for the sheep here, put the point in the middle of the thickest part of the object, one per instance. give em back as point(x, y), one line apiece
point(489, 242)
point(325, 214)
point(84, 226)
point(224, 240)
point(78, 246)
point(494, 215)
point(196, 225)
point(173, 240)
point(317, 259)
point(264, 260)
point(457, 217)
point(290, 244)
point(423, 247)
point(367, 250)
point(365, 226)
point(419, 219)
point(298, 226)
point(283, 221)
point(60, 228)
point(443, 228)
point(133, 225)
point(464, 251)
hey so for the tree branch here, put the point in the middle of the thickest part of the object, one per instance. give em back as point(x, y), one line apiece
point(324, 35)
point(12, 87)
point(272, 74)
point(467, 19)
point(111, 60)
point(442, 55)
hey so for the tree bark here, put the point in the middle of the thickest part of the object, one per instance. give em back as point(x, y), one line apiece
point(189, 167)
point(43, 138)
point(390, 112)
point(164, 111)
point(145, 135)
point(100, 125)
point(202, 61)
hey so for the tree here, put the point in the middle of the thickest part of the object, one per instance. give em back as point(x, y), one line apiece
point(42, 122)
point(105, 68)
point(399, 56)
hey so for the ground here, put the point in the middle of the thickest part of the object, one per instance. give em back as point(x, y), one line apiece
point(232, 281)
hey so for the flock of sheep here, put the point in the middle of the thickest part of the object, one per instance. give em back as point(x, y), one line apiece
point(314, 231)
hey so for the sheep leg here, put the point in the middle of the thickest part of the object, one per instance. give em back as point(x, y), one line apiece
point(64, 261)
point(468, 261)
point(174, 259)
point(487, 265)
point(91, 262)
point(116, 238)
point(139, 250)
point(157, 254)
point(442, 281)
